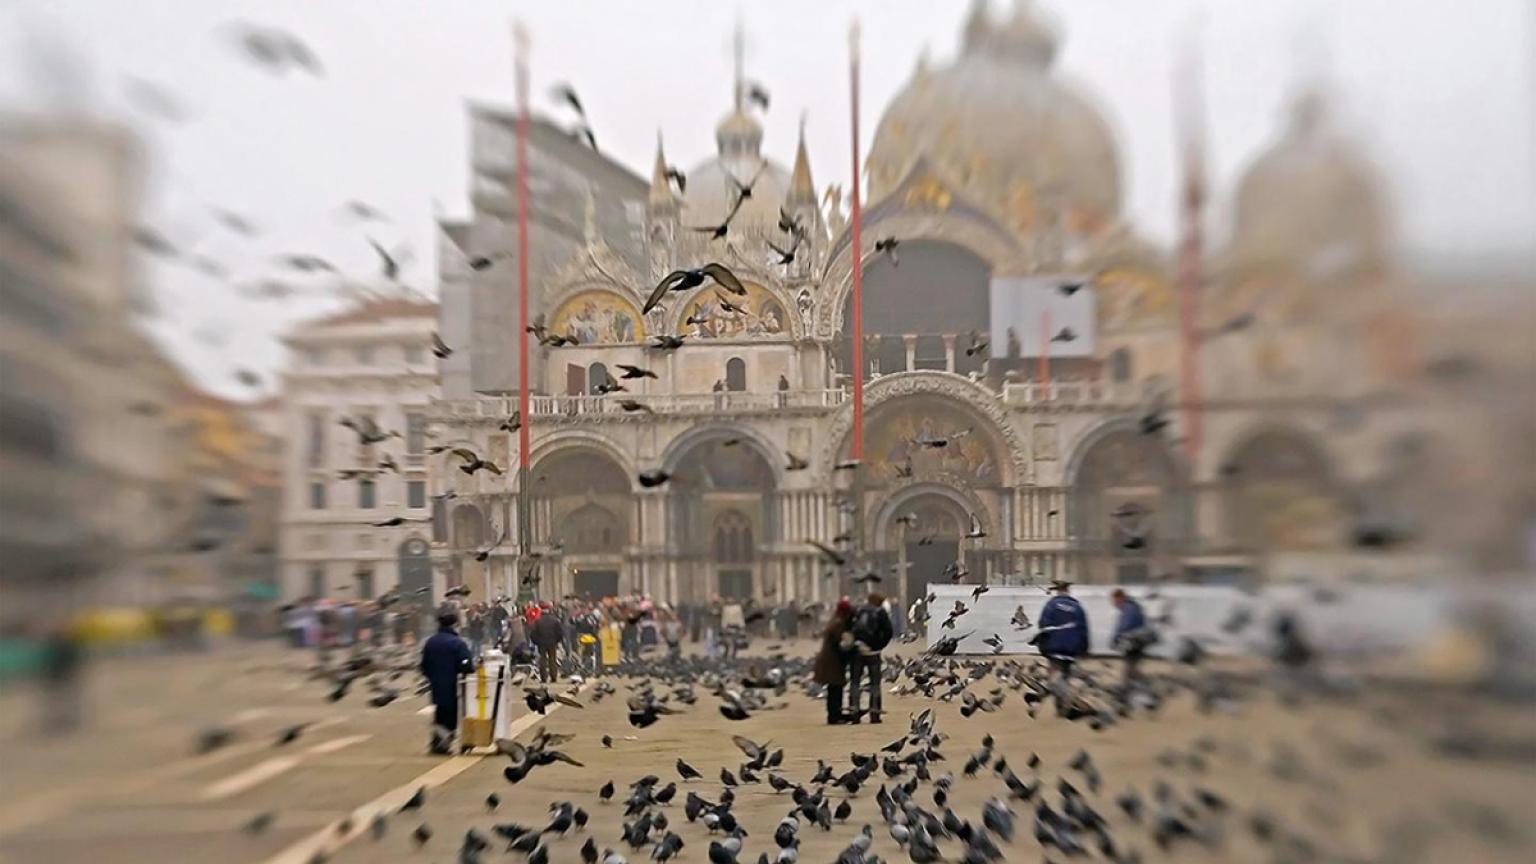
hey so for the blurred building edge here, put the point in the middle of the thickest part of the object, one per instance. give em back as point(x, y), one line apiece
point(104, 445)
point(369, 362)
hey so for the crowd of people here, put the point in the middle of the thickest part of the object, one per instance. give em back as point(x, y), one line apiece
point(560, 637)
point(319, 622)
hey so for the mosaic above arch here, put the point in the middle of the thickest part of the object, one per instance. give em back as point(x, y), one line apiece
point(598, 317)
point(901, 443)
point(760, 314)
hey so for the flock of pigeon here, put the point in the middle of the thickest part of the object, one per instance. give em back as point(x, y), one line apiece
point(1037, 804)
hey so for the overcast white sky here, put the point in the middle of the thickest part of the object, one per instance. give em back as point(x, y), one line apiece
point(1440, 93)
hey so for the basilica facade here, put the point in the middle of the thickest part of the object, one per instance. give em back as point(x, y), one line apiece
point(1001, 183)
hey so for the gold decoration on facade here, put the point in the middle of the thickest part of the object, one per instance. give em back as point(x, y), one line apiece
point(928, 192)
point(1130, 297)
point(1021, 207)
point(599, 318)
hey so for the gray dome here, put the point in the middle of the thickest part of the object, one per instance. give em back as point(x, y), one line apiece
point(711, 190)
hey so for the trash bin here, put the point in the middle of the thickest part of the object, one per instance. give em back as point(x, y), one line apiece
point(486, 702)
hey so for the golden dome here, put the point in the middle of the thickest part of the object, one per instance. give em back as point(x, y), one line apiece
point(999, 127)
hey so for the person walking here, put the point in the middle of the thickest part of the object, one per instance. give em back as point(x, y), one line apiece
point(444, 658)
point(1133, 635)
point(872, 631)
point(831, 667)
point(547, 634)
point(1062, 636)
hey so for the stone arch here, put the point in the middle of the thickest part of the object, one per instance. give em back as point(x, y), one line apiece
point(1085, 444)
point(969, 230)
point(710, 432)
point(1280, 490)
point(1128, 507)
point(976, 401)
point(575, 477)
point(711, 475)
point(577, 439)
point(964, 501)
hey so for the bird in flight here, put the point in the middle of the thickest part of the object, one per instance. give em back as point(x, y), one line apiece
point(887, 246)
point(717, 232)
point(565, 93)
point(683, 280)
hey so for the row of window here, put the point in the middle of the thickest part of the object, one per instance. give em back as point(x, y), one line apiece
point(318, 422)
point(367, 354)
point(368, 494)
point(593, 378)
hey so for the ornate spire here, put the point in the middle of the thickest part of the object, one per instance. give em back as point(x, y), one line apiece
point(978, 25)
point(1027, 36)
point(738, 134)
point(661, 189)
point(801, 189)
point(738, 54)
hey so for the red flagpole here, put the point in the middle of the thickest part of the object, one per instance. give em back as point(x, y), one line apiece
point(520, 63)
point(858, 252)
point(522, 249)
point(1191, 114)
point(1045, 353)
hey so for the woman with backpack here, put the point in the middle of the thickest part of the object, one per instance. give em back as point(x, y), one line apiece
point(831, 669)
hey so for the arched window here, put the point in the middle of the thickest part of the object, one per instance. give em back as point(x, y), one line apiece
point(1120, 365)
point(736, 374)
point(733, 538)
point(597, 376)
point(592, 528)
point(468, 526)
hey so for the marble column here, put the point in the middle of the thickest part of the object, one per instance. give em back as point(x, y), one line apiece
point(949, 352)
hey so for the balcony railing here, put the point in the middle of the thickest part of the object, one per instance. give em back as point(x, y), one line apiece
point(1064, 392)
point(658, 403)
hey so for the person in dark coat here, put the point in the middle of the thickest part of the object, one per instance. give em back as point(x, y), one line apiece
point(1062, 637)
point(872, 631)
point(444, 658)
point(831, 667)
point(1133, 635)
point(546, 634)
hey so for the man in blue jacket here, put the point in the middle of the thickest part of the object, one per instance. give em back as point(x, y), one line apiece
point(1133, 635)
point(445, 657)
point(1063, 635)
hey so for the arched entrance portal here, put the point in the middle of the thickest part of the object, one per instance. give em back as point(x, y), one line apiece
point(581, 509)
point(720, 506)
point(934, 457)
point(1280, 494)
point(1128, 513)
point(923, 536)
